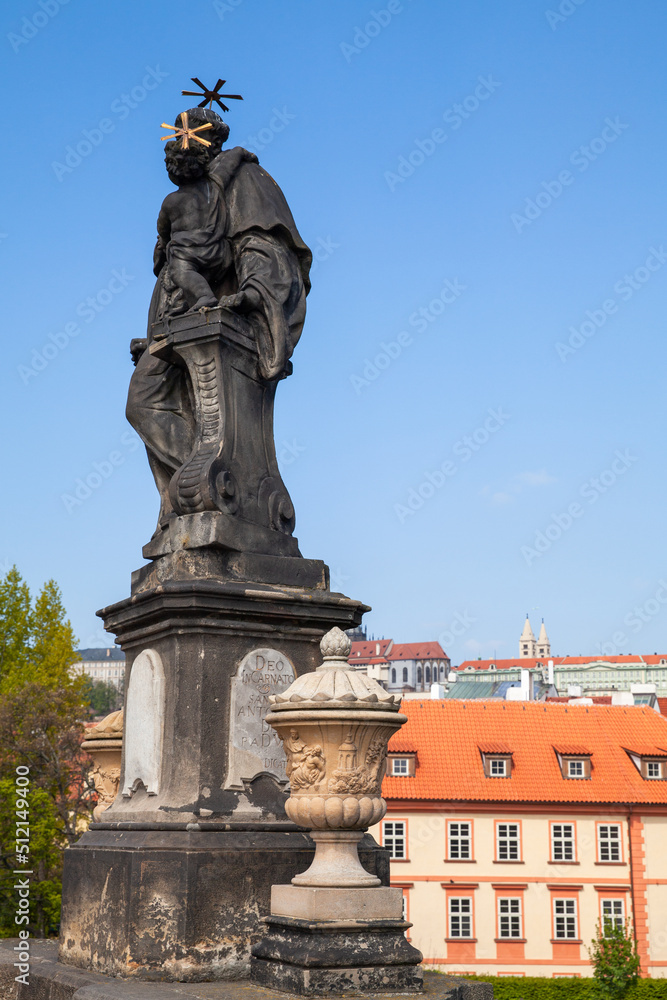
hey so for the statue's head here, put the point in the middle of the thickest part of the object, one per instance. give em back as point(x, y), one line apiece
point(186, 165)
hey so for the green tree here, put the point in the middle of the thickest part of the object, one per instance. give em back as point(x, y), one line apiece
point(616, 963)
point(36, 641)
point(41, 711)
point(103, 698)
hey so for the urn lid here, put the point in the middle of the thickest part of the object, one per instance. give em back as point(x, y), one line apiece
point(335, 684)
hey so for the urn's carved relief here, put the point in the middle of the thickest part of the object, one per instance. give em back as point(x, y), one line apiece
point(305, 765)
point(365, 779)
point(106, 780)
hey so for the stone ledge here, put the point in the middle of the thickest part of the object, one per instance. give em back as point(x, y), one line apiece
point(49, 980)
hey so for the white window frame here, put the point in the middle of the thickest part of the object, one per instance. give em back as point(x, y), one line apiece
point(510, 914)
point(608, 843)
point(576, 769)
point(459, 840)
point(565, 911)
point(563, 841)
point(511, 841)
point(400, 767)
point(656, 764)
point(617, 915)
point(498, 767)
point(392, 837)
point(460, 912)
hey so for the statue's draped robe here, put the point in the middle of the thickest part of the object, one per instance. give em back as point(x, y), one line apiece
point(270, 257)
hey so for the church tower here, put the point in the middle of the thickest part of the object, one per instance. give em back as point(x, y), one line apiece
point(527, 644)
point(543, 644)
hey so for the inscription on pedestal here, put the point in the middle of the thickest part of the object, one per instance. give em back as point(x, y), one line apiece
point(254, 745)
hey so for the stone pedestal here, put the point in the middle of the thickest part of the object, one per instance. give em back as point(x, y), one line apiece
point(320, 958)
point(173, 882)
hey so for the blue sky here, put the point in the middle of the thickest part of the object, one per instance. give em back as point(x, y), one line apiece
point(475, 424)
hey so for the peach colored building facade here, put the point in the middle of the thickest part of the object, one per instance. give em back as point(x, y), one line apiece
point(557, 822)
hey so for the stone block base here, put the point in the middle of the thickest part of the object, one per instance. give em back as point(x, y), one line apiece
point(318, 958)
point(178, 905)
point(311, 903)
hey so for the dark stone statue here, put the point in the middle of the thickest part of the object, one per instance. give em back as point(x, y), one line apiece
point(226, 314)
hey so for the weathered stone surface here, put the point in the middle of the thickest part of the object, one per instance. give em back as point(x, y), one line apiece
point(178, 905)
point(49, 980)
point(313, 958)
point(255, 747)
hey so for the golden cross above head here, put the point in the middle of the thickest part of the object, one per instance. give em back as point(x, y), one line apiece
point(185, 133)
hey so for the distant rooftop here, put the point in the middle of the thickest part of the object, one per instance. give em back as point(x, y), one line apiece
point(100, 655)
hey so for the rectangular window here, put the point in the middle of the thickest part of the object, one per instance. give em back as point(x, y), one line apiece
point(459, 842)
point(575, 769)
point(460, 917)
point(393, 837)
point(562, 841)
point(609, 842)
point(399, 765)
point(613, 913)
point(509, 917)
point(565, 919)
point(653, 769)
point(498, 768)
point(507, 842)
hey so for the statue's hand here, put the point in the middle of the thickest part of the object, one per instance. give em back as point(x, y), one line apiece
point(242, 302)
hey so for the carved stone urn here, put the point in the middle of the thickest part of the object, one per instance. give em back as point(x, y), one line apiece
point(104, 743)
point(335, 724)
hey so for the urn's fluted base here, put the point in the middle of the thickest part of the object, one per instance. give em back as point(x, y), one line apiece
point(336, 863)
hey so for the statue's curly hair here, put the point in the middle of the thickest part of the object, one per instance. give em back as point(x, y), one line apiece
point(185, 165)
point(217, 135)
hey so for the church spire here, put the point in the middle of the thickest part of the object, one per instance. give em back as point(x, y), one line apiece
point(527, 644)
point(543, 644)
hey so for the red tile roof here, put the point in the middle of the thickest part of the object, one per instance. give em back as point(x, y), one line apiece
point(448, 733)
point(563, 661)
point(597, 699)
point(369, 652)
point(416, 651)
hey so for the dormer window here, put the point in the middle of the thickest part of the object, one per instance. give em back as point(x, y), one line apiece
point(497, 759)
point(574, 761)
point(401, 765)
point(651, 762)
